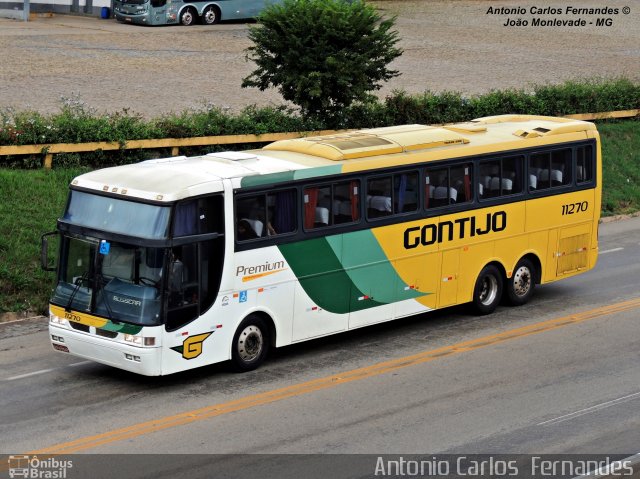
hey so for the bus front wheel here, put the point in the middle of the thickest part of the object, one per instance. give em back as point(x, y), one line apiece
point(488, 290)
point(211, 16)
point(520, 285)
point(250, 344)
point(187, 17)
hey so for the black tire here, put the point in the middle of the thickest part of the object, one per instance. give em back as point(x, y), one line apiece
point(211, 15)
point(188, 17)
point(522, 283)
point(488, 290)
point(250, 344)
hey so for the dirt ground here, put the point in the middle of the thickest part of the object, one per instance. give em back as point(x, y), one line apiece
point(448, 45)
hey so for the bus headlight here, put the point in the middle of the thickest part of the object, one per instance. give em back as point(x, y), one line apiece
point(53, 319)
point(130, 338)
point(139, 340)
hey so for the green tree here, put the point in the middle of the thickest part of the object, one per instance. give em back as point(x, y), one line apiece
point(322, 55)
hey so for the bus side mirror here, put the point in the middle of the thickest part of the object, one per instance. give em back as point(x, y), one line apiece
point(44, 252)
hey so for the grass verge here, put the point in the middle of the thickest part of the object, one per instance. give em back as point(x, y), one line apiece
point(32, 200)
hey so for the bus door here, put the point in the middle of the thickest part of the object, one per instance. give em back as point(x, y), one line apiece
point(158, 12)
point(448, 294)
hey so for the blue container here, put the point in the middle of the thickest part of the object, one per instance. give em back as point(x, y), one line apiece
point(105, 12)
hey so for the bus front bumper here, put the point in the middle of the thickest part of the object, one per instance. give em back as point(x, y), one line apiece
point(140, 19)
point(141, 360)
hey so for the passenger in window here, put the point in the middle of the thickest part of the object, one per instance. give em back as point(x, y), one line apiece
point(245, 231)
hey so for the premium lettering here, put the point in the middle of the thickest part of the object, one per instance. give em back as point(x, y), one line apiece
point(459, 229)
point(261, 268)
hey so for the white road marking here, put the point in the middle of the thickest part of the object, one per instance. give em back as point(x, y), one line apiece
point(611, 250)
point(44, 371)
point(589, 410)
point(34, 373)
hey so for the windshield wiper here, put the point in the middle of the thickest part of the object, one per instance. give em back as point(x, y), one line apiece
point(79, 282)
point(100, 280)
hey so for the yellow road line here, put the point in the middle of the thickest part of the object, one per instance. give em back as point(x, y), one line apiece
point(267, 397)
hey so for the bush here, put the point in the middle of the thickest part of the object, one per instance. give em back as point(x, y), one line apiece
point(77, 123)
point(322, 55)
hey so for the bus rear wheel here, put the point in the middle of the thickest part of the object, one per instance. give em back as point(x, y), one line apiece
point(521, 284)
point(250, 344)
point(187, 17)
point(488, 290)
point(210, 16)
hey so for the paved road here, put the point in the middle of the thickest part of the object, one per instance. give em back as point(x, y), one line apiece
point(557, 376)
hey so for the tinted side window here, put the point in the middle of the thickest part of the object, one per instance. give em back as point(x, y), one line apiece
point(584, 164)
point(561, 174)
point(199, 216)
point(500, 177)
point(392, 194)
point(550, 169)
point(266, 214)
point(331, 204)
point(448, 186)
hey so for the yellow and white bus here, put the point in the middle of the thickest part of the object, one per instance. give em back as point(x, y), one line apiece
point(176, 263)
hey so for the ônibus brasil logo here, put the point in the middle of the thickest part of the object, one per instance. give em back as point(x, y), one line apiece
point(32, 467)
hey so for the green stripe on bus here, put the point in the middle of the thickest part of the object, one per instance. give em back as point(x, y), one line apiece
point(257, 180)
point(323, 278)
point(122, 328)
point(288, 176)
point(369, 268)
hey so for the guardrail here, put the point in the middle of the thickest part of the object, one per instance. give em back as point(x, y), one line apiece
point(48, 150)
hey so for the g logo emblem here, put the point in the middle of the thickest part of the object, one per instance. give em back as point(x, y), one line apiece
point(192, 346)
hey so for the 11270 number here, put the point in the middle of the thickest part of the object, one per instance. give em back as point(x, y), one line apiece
point(572, 208)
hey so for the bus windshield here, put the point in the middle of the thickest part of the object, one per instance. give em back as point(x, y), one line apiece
point(114, 280)
point(114, 215)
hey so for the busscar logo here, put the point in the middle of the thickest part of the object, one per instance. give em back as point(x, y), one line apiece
point(133, 302)
point(32, 467)
point(192, 346)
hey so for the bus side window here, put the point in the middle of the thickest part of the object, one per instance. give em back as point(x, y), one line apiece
point(448, 186)
point(512, 174)
point(437, 188)
point(379, 197)
point(332, 204)
point(405, 192)
point(201, 216)
point(539, 164)
point(560, 174)
point(461, 178)
point(584, 164)
point(250, 217)
point(281, 212)
point(266, 214)
point(501, 177)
